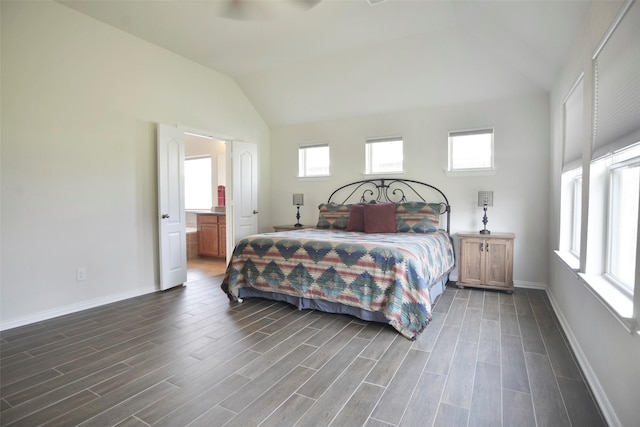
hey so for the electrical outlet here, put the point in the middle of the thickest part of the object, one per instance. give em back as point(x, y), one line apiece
point(81, 274)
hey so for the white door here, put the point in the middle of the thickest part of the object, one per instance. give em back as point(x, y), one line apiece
point(171, 215)
point(244, 189)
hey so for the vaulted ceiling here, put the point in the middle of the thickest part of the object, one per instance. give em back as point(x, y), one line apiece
point(342, 58)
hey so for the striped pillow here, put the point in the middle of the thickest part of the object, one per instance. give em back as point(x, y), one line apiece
point(417, 217)
point(333, 216)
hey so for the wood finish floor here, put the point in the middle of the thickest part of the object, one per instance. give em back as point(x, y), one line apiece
point(189, 357)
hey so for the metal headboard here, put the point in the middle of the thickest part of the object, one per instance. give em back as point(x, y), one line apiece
point(395, 190)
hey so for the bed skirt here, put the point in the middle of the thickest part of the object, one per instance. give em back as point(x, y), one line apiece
point(435, 291)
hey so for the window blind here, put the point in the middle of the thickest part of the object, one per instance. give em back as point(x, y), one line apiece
point(470, 132)
point(318, 145)
point(573, 126)
point(617, 84)
point(385, 139)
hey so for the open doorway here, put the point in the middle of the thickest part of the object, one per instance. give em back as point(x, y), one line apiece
point(227, 219)
point(205, 206)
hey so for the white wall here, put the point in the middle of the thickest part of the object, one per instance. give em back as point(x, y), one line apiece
point(80, 103)
point(610, 356)
point(520, 182)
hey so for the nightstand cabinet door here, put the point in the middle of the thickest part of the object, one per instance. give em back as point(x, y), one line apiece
point(499, 259)
point(486, 261)
point(471, 261)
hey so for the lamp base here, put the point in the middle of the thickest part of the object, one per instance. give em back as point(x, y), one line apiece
point(485, 220)
point(297, 224)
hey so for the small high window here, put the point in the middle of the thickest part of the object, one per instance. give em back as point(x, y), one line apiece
point(313, 160)
point(471, 150)
point(383, 155)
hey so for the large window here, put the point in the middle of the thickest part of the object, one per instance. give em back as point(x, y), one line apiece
point(471, 150)
point(615, 165)
point(313, 160)
point(571, 189)
point(197, 183)
point(571, 217)
point(601, 121)
point(622, 230)
point(383, 155)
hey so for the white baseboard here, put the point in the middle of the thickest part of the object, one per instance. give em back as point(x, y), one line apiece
point(73, 308)
point(529, 285)
point(590, 376)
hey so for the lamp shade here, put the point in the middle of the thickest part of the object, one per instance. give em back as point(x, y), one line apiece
point(298, 199)
point(485, 198)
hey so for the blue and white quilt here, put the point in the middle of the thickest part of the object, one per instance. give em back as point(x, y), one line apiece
point(387, 273)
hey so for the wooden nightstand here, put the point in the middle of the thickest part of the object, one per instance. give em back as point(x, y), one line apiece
point(486, 261)
point(290, 227)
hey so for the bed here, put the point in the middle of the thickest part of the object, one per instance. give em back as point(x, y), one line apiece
point(378, 253)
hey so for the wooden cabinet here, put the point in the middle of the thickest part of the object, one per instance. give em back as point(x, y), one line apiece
point(486, 260)
point(222, 236)
point(212, 235)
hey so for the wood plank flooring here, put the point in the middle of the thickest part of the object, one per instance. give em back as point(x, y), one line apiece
point(188, 357)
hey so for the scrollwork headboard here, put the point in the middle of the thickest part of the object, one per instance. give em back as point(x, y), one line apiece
point(395, 190)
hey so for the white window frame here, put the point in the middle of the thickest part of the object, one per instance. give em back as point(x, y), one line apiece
point(626, 288)
point(619, 298)
point(569, 245)
point(456, 137)
point(615, 137)
point(574, 141)
point(370, 146)
point(576, 215)
point(303, 163)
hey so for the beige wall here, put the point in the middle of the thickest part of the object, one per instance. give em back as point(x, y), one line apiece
point(520, 183)
point(608, 354)
point(80, 103)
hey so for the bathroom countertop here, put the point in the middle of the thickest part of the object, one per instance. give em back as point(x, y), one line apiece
point(206, 212)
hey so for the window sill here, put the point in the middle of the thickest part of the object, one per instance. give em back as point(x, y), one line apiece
point(572, 261)
point(314, 178)
point(479, 172)
point(375, 174)
point(619, 304)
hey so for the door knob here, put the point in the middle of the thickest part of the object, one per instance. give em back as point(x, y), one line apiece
point(165, 216)
point(255, 212)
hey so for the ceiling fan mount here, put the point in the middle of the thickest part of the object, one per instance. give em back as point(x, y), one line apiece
point(263, 10)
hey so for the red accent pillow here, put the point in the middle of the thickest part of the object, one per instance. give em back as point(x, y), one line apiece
point(380, 218)
point(356, 218)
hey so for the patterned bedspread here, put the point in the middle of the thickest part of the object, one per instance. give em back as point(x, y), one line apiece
point(388, 273)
